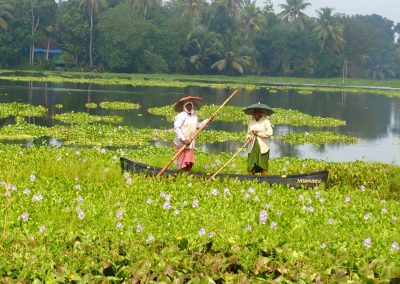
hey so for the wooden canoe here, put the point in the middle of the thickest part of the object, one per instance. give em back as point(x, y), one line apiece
point(311, 179)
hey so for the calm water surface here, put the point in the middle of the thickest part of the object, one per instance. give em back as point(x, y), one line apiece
point(375, 119)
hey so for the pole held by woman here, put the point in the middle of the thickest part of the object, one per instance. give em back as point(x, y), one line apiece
point(227, 162)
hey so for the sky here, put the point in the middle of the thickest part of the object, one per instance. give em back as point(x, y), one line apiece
point(386, 8)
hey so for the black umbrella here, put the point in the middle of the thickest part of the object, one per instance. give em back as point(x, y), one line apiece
point(260, 107)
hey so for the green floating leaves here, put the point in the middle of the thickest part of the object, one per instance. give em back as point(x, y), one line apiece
point(84, 118)
point(235, 113)
point(318, 138)
point(20, 109)
point(91, 105)
point(119, 105)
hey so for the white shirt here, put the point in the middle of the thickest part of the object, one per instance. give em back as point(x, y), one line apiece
point(264, 128)
point(185, 126)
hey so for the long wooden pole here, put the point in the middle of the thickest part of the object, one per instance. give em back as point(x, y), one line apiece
point(195, 134)
point(227, 162)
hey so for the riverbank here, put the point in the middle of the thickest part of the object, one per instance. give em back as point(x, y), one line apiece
point(387, 87)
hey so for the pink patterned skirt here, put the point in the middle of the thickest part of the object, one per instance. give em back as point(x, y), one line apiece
point(186, 158)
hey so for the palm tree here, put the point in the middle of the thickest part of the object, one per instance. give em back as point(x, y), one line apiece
point(292, 12)
point(6, 10)
point(250, 17)
point(146, 5)
point(232, 65)
point(48, 31)
point(204, 47)
point(92, 7)
point(191, 8)
point(329, 30)
point(234, 6)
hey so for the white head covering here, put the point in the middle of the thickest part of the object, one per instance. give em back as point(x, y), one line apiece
point(186, 104)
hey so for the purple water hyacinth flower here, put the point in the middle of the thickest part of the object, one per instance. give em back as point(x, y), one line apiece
point(81, 214)
point(127, 175)
point(77, 186)
point(394, 218)
point(202, 232)
point(227, 191)
point(331, 221)
point(32, 177)
point(248, 228)
point(149, 201)
point(301, 197)
point(25, 216)
point(149, 239)
point(139, 228)
point(103, 151)
point(195, 203)
point(162, 194)
point(167, 205)
point(310, 209)
point(323, 245)
point(362, 188)
point(256, 198)
point(246, 196)
point(42, 229)
point(177, 212)
point(383, 201)
point(394, 246)
point(117, 204)
point(8, 193)
point(214, 192)
point(211, 234)
point(384, 211)
point(273, 225)
point(119, 214)
point(119, 225)
point(347, 199)
point(322, 200)
point(13, 188)
point(27, 191)
point(317, 194)
point(167, 197)
point(37, 197)
point(129, 181)
point(78, 153)
point(279, 212)
point(184, 203)
point(367, 216)
point(263, 217)
point(367, 242)
point(266, 205)
point(79, 199)
point(251, 190)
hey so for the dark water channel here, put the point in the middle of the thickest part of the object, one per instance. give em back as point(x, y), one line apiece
point(373, 118)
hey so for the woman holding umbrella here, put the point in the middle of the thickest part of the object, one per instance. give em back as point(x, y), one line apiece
point(185, 125)
point(258, 132)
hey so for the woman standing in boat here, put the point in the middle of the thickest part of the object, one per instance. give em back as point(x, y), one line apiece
point(258, 132)
point(185, 125)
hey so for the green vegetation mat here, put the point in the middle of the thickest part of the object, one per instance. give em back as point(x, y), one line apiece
point(72, 215)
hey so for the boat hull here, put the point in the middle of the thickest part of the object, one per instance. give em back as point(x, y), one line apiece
point(311, 179)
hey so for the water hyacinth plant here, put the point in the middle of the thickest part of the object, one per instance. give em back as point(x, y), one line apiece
point(73, 215)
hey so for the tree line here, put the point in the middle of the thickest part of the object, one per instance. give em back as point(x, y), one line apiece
point(231, 37)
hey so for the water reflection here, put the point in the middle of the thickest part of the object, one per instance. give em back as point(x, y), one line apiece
point(373, 118)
